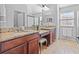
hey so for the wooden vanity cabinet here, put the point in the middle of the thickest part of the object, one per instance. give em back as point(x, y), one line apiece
point(33, 46)
point(17, 50)
point(52, 36)
point(27, 44)
point(12, 43)
point(33, 43)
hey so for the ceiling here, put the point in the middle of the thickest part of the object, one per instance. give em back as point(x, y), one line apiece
point(37, 9)
point(33, 9)
point(69, 8)
point(64, 5)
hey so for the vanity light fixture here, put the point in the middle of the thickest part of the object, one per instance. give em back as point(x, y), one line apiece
point(44, 7)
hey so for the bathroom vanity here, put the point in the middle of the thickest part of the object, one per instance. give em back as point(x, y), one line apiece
point(25, 44)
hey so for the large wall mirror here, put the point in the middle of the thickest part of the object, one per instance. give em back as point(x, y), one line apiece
point(43, 16)
point(40, 15)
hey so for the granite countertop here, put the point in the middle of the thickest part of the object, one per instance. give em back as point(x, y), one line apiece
point(48, 28)
point(11, 35)
point(39, 31)
point(43, 31)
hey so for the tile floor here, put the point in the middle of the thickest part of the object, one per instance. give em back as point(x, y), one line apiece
point(62, 47)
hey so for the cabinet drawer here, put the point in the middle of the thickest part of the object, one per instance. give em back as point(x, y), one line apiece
point(17, 50)
point(12, 43)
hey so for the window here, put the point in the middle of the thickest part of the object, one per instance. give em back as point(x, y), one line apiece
point(67, 19)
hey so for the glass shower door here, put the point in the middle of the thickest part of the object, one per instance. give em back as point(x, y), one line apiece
point(67, 25)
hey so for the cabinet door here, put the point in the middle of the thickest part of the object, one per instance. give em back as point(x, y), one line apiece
point(33, 47)
point(17, 50)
